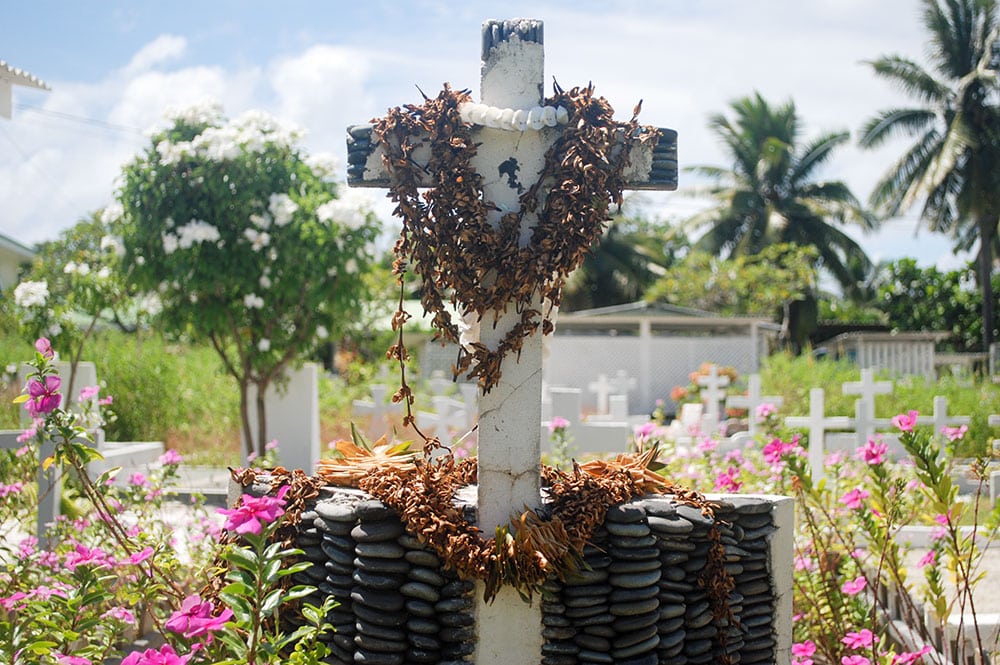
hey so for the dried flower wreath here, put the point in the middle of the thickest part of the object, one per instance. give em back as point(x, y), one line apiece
point(460, 257)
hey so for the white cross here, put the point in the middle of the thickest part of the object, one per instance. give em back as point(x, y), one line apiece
point(376, 409)
point(713, 393)
point(868, 388)
point(510, 414)
point(940, 418)
point(752, 400)
point(448, 417)
point(818, 424)
point(622, 383)
point(602, 387)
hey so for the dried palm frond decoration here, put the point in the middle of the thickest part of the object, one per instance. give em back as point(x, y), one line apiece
point(455, 251)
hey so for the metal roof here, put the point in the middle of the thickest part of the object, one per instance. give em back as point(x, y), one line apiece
point(16, 248)
point(14, 76)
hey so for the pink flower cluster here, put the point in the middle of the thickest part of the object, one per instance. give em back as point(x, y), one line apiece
point(874, 451)
point(905, 422)
point(164, 656)
point(802, 652)
point(557, 425)
point(43, 395)
point(854, 498)
point(255, 511)
point(195, 618)
point(776, 449)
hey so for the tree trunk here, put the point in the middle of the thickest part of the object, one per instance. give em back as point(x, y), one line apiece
point(261, 416)
point(984, 268)
point(245, 416)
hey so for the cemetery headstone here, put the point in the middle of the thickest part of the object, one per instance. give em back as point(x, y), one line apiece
point(712, 394)
point(293, 418)
point(751, 401)
point(508, 154)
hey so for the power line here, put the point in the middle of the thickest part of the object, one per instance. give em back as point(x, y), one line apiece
point(93, 122)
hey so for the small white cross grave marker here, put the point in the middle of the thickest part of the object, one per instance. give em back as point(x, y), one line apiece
point(602, 388)
point(751, 401)
point(867, 388)
point(622, 383)
point(713, 393)
point(818, 424)
point(511, 144)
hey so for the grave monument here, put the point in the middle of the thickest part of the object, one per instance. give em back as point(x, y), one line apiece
point(514, 190)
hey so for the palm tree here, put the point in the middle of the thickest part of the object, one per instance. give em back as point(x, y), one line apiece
point(770, 194)
point(953, 165)
point(622, 264)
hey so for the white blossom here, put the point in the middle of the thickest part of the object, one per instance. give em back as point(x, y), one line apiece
point(258, 239)
point(83, 269)
point(203, 112)
point(350, 210)
point(196, 231)
point(253, 301)
point(322, 332)
point(31, 294)
point(112, 213)
point(351, 266)
point(69, 268)
point(54, 329)
point(282, 208)
point(193, 298)
point(265, 282)
point(113, 243)
point(151, 304)
point(261, 221)
point(140, 260)
point(325, 165)
point(104, 273)
point(169, 243)
point(264, 345)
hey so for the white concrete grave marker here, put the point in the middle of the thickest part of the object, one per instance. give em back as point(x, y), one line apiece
point(510, 156)
point(712, 394)
point(602, 388)
point(377, 410)
point(818, 424)
point(751, 401)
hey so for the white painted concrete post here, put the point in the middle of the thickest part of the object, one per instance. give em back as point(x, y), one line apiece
point(781, 553)
point(713, 393)
point(293, 418)
point(510, 415)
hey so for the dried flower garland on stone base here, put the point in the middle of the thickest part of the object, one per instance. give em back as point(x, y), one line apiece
point(460, 257)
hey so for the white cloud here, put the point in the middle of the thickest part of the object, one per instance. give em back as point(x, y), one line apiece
point(161, 50)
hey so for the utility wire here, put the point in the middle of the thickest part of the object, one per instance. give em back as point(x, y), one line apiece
point(93, 122)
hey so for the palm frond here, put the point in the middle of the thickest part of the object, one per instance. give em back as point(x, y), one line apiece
point(911, 78)
point(892, 122)
point(815, 154)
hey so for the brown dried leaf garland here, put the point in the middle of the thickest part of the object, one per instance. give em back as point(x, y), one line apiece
point(448, 242)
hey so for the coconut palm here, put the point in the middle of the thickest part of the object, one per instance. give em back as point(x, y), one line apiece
point(953, 165)
point(771, 195)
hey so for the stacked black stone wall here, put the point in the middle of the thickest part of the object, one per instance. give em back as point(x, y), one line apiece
point(396, 604)
point(638, 602)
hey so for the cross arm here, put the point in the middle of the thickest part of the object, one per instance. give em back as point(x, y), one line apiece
point(652, 166)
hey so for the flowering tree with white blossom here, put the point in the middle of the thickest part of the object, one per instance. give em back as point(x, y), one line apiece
point(74, 284)
point(247, 244)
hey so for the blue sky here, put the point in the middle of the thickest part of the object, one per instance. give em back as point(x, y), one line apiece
point(115, 67)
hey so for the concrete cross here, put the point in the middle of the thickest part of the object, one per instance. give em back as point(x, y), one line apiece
point(602, 388)
point(510, 156)
point(376, 409)
point(818, 424)
point(940, 418)
point(713, 393)
point(751, 401)
point(868, 388)
point(622, 383)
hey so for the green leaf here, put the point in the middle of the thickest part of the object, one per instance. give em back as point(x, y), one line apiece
point(242, 557)
point(271, 602)
point(359, 438)
point(240, 606)
point(239, 588)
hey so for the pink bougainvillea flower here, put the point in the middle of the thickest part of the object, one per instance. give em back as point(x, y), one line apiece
point(904, 422)
point(120, 613)
point(863, 639)
point(804, 649)
point(13, 601)
point(727, 482)
point(874, 451)
point(854, 498)
point(255, 511)
point(85, 556)
point(910, 657)
point(88, 393)
point(855, 586)
point(764, 410)
point(195, 618)
point(928, 559)
point(13, 488)
point(165, 656)
point(139, 557)
point(644, 431)
point(170, 457)
point(954, 433)
point(844, 660)
point(557, 424)
point(63, 659)
point(44, 347)
point(43, 396)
